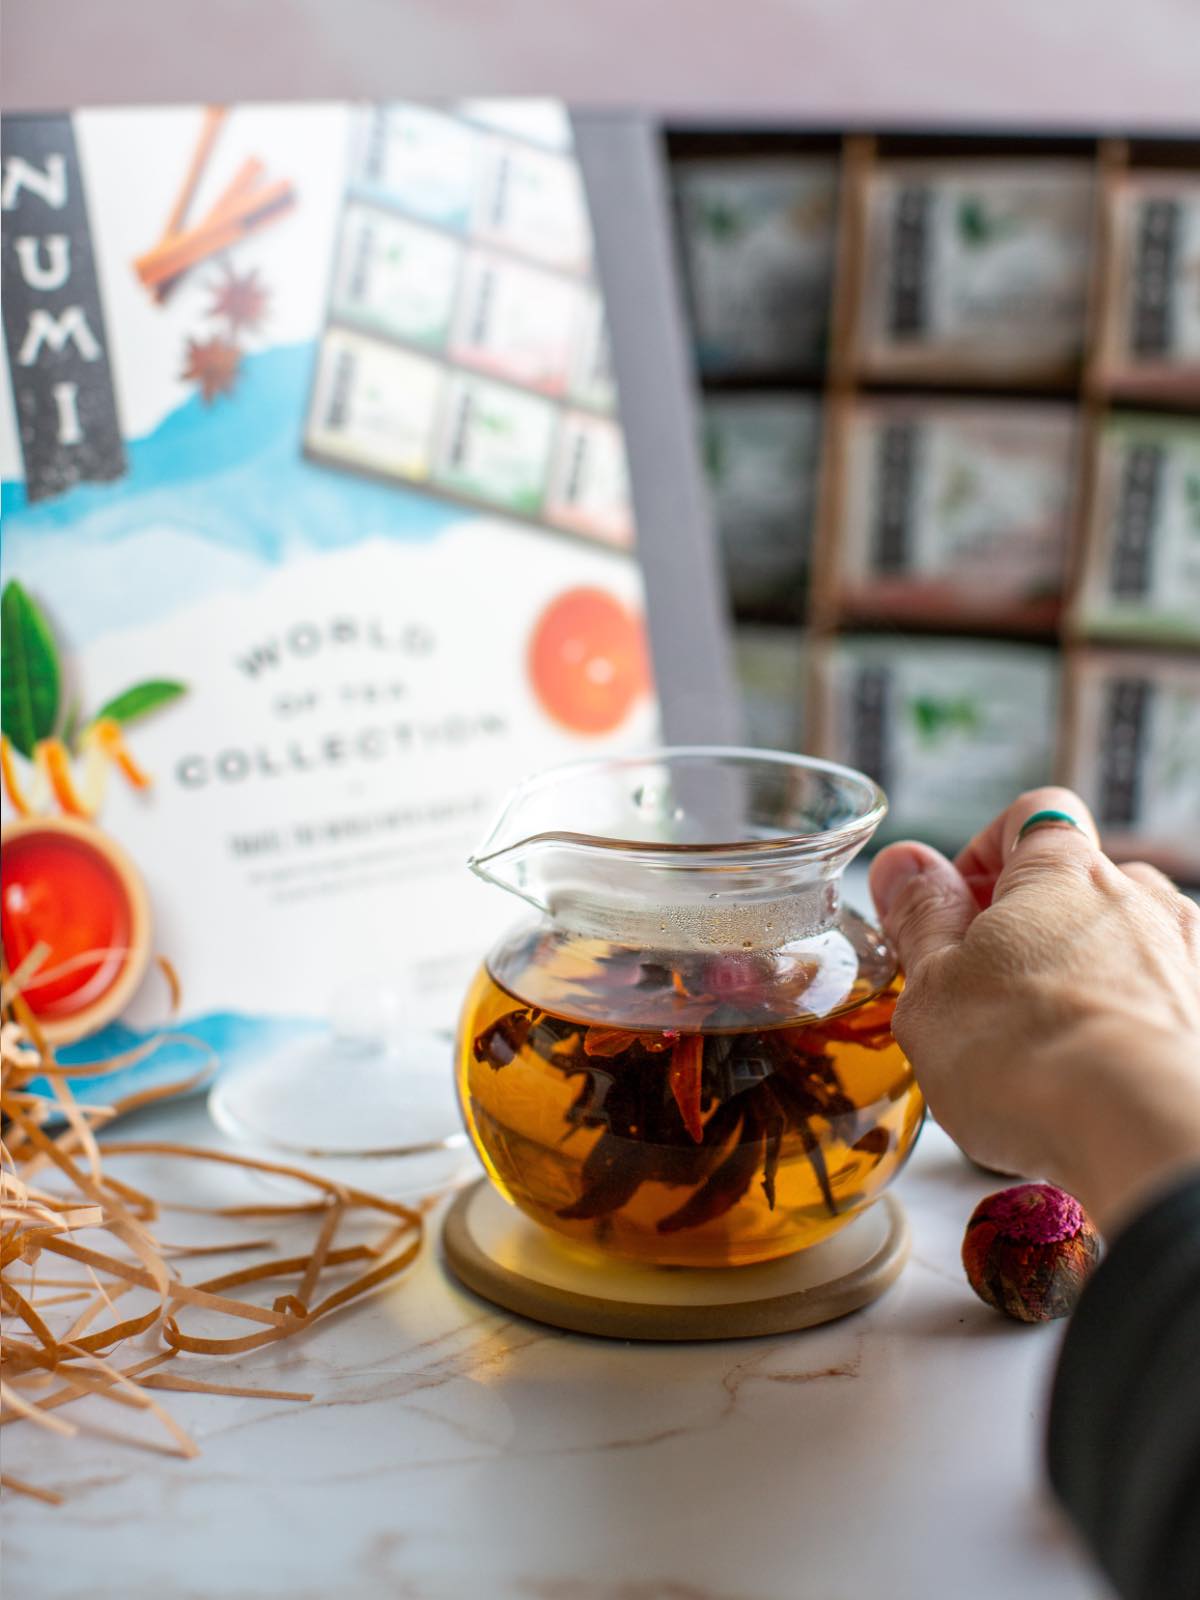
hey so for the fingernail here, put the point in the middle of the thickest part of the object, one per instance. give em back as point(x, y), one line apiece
point(890, 873)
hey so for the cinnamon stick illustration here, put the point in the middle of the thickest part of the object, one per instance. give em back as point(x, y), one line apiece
point(214, 116)
point(243, 206)
point(244, 215)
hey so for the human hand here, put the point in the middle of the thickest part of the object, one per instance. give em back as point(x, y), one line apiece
point(1051, 1007)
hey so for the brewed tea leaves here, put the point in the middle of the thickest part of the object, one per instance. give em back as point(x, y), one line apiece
point(869, 1026)
point(599, 1041)
point(613, 1172)
point(875, 1142)
point(797, 1107)
point(759, 1087)
point(504, 1040)
point(774, 1125)
point(816, 1159)
point(687, 1067)
point(722, 1191)
point(707, 1108)
point(653, 975)
point(587, 1108)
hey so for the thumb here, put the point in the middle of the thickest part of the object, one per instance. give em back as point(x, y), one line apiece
point(922, 900)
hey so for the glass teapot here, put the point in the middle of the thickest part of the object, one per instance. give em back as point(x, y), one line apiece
point(683, 1055)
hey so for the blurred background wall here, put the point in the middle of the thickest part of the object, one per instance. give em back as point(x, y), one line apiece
point(1094, 61)
point(940, 269)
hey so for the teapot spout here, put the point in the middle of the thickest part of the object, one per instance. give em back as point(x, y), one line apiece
point(509, 854)
point(511, 867)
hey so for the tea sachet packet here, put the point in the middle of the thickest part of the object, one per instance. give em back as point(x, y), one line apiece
point(394, 276)
point(956, 509)
point(464, 175)
point(392, 411)
point(466, 348)
point(373, 405)
point(758, 248)
point(1143, 574)
point(770, 666)
point(950, 728)
point(589, 490)
point(761, 456)
point(494, 443)
point(506, 317)
point(1136, 754)
point(1152, 332)
point(976, 266)
point(523, 324)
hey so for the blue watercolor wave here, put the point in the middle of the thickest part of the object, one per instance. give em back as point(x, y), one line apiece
point(229, 478)
point(229, 1038)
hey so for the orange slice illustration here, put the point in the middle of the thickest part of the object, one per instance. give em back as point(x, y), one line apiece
point(587, 660)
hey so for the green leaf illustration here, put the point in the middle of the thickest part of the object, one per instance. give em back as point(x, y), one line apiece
point(959, 491)
point(978, 227)
point(29, 692)
point(141, 699)
point(935, 716)
point(721, 222)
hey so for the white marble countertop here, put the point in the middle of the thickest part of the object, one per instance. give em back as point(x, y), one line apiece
point(452, 1452)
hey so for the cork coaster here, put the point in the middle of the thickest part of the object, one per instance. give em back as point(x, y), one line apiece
point(501, 1254)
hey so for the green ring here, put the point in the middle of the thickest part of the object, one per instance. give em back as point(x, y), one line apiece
point(1040, 819)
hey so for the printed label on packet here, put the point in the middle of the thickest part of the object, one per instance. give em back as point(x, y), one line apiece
point(1143, 578)
point(374, 405)
point(532, 202)
point(760, 454)
point(592, 382)
point(770, 672)
point(589, 486)
point(494, 444)
point(395, 277)
point(423, 161)
point(956, 503)
point(974, 264)
point(1137, 754)
point(1158, 231)
point(516, 322)
point(758, 240)
point(951, 730)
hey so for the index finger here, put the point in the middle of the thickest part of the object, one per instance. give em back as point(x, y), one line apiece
point(982, 861)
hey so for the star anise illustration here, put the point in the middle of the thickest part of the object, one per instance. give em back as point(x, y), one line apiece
point(213, 364)
point(240, 299)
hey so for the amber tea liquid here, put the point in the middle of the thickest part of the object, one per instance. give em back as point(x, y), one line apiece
point(682, 1111)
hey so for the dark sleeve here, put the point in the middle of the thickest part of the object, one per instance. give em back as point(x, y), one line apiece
point(1124, 1445)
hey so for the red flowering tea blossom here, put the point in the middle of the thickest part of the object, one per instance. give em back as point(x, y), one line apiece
point(1029, 1250)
